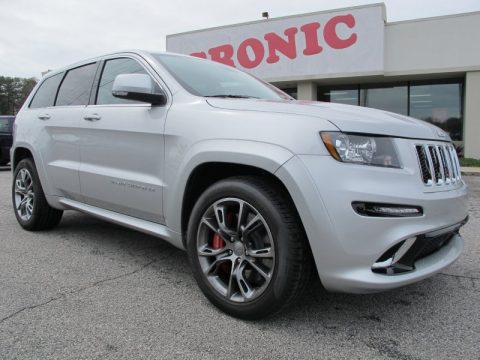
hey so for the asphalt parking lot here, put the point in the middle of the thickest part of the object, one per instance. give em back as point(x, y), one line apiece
point(92, 290)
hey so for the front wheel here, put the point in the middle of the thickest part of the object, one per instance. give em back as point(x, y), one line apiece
point(247, 247)
point(31, 208)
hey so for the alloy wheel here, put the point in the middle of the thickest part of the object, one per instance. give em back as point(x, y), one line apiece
point(235, 249)
point(24, 194)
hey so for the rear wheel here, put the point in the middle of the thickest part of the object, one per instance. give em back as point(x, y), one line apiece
point(31, 208)
point(247, 247)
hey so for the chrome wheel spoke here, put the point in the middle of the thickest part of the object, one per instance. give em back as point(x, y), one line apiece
point(22, 203)
point(207, 222)
point(253, 225)
point(260, 253)
point(258, 269)
point(241, 214)
point(23, 176)
point(213, 266)
point(232, 280)
point(29, 208)
point(243, 284)
point(220, 215)
point(208, 251)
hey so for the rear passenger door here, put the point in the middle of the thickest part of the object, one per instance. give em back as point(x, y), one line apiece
point(122, 147)
point(58, 105)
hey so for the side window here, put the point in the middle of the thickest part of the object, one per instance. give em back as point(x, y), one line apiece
point(76, 87)
point(111, 69)
point(45, 95)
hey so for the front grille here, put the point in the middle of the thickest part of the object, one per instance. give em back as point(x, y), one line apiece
point(438, 164)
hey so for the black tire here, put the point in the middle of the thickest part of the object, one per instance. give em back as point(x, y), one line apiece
point(43, 216)
point(293, 260)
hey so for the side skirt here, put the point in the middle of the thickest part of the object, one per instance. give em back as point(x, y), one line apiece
point(144, 226)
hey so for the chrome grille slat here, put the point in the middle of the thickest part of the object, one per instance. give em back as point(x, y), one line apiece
point(454, 165)
point(439, 164)
point(447, 165)
point(430, 164)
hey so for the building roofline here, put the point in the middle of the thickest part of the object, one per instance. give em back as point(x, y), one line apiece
point(439, 17)
point(379, 4)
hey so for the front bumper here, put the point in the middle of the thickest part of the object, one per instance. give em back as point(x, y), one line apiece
point(345, 245)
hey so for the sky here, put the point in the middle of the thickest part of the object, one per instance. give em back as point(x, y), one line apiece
point(36, 35)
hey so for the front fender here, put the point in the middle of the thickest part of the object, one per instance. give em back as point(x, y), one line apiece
point(265, 156)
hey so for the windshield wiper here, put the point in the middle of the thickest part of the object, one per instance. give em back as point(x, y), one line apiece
point(233, 96)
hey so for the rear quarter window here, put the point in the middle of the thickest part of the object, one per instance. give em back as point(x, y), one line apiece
point(45, 95)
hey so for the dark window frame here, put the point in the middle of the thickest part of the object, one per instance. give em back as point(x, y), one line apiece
point(101, 69)
point(65, 73)
point(62, 73)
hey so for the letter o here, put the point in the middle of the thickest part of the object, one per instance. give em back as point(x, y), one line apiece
point(258, 51)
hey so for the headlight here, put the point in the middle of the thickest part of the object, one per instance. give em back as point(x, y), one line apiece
point(361, 149)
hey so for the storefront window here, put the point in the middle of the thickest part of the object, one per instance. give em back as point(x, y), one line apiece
point(340, 94)
point(390, 98)
point(292, 91)
point(439, 104)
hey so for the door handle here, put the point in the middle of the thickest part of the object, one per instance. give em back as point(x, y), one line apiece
point(92, 117)
point(44, 116)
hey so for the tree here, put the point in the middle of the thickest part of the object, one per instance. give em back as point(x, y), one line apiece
point(13, 93)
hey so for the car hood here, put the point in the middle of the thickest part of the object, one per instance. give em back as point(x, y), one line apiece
point(346, 118)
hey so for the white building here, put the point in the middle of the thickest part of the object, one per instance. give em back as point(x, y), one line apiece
point(426, 68)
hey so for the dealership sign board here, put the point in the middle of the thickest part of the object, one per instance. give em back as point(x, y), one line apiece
point(339, 43)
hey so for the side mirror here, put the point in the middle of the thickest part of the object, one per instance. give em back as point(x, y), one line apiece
point(138, 87)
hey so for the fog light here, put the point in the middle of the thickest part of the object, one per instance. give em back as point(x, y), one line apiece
point(386, 210)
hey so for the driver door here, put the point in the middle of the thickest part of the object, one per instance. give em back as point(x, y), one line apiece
point(122, 148)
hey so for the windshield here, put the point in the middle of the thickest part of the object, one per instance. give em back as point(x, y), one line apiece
point(210, 79)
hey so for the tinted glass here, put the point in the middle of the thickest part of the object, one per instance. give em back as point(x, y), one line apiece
point(292, 91)
point(76, 87)
point(391, 98)
point(45, 96)
point(207, 78)
point(439, 104)
point(6, 124)
point(339, 94)
point(110, 71)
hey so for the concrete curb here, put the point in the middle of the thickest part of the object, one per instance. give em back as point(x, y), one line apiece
point(473, 171)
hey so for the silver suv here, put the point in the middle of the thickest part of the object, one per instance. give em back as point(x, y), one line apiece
point(257, 187)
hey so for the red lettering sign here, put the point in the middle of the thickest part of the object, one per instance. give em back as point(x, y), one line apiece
point(286, 47)
point(251, 52)
point(258, 51)
point(330, 32)
point(222, 54)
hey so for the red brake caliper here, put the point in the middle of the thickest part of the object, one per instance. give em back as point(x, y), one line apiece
point(217, 242)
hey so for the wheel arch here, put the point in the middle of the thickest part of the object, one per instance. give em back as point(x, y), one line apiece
point(208, 173)
point(20, 153)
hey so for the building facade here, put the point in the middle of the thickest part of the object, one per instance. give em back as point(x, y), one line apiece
point(426, 68)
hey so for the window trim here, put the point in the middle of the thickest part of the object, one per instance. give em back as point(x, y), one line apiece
point(147, 70)
point(65, 73)
point(62, 73)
